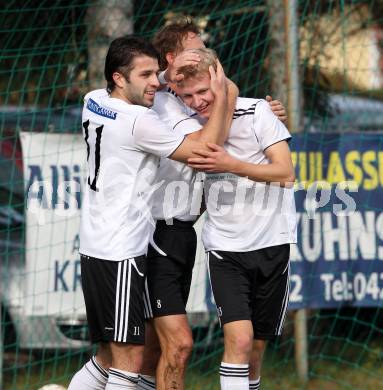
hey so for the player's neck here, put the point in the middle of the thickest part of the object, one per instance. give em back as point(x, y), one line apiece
point(117, 94)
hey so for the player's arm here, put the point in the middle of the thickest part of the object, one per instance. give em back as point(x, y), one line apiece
point(232, 94)
point(280, 168)
point(153, 135)
point(186, 149)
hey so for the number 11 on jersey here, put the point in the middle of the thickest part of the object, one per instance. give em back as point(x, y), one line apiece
point(97, 150)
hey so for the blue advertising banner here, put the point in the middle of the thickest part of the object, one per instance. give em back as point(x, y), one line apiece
point(339, 197)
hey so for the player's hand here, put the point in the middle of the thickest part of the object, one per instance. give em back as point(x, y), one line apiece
point(278, 108)
point(218, 83)
point(214, 160)
point(187, 57)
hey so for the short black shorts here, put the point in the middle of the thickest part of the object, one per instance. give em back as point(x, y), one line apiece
point(113, 292)
point(170, 267)
point(252, 286)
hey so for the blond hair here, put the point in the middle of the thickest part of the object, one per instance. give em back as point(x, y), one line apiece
point(208, 57)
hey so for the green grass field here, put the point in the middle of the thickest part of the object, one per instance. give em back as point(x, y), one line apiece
point(34, 371)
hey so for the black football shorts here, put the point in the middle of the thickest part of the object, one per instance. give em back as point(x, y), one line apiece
point(252, 286)
point(113, 292)
point(170, 263)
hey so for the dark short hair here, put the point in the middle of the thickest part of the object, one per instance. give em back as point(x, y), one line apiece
point(121, 54)
point(169, 38)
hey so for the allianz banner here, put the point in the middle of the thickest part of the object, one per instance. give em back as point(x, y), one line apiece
point(339, 197)
point(54, 165)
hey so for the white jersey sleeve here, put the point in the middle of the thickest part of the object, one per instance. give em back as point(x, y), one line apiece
point(174, 113)
point(152, 135)
point(268, 129)
point(244, 215)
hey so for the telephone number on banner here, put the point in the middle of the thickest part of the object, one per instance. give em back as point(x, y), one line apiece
point(337, 288)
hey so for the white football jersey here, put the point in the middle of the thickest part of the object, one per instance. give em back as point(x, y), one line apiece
point(244, 215)
point(181, 192)
point(124, 146)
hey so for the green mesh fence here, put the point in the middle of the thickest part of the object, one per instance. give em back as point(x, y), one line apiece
point(52, 53)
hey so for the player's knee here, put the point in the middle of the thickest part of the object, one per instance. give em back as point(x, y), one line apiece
point(187, 346)
point(184, 346)
point(181, 347)
point(241, 343)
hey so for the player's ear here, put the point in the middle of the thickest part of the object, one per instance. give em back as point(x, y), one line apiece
point(119, 79)
point(170, 58)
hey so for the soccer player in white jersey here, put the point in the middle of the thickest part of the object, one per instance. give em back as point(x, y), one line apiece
point(251, 222)
point(176, 206)
point(125, 140)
